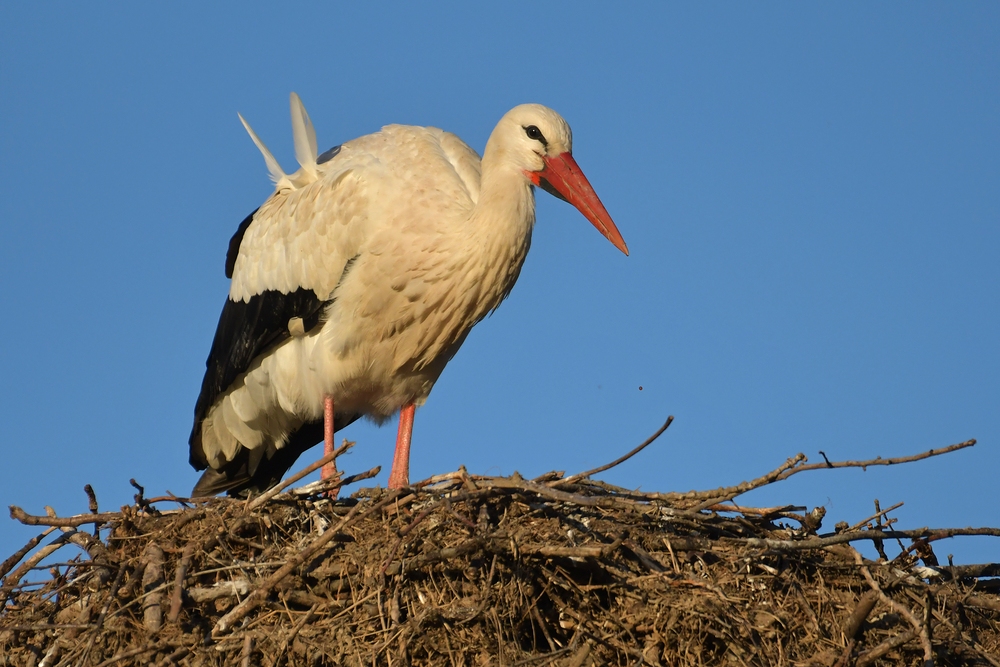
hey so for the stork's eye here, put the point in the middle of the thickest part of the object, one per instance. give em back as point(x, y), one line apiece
point(534, 133)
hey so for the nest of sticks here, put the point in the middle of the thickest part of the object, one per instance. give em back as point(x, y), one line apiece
point(471, 570)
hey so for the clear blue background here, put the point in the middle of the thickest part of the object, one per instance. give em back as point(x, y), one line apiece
point(811, 195)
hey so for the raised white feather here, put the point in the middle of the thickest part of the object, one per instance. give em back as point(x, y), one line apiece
point(278, 174)
point(304, 136)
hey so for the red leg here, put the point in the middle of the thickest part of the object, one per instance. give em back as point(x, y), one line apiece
point(400, 475)
point(330, 469)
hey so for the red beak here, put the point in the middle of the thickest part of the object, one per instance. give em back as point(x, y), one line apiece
point(562, 177)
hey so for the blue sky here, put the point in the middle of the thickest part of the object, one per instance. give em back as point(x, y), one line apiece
point(810, 195)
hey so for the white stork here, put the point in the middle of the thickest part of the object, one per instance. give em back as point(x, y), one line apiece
point(360, 277)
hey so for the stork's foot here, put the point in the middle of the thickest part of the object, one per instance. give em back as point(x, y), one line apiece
point(400, 476)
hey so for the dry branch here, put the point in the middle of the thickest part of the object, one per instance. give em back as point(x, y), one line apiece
point(621, 459)
point(62, 522)
point(797, 464)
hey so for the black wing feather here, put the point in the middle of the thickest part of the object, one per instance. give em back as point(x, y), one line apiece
point(246, 330)
point(234, 243)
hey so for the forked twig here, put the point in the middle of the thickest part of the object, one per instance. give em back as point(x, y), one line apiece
point(792, 467)
point(861, 524)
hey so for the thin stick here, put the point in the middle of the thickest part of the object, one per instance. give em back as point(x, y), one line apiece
point(11, 581)
point(329, 484)
point(148, 648)
point(62, 522)
point(247, 650)
point(316, 465)
point(879, 461)
point(880, 513)
point(792, 467)
point(92, 506)
point(929, 534)
point(871, 656)
point(176, 598)
point(16, 557)
point(759, 511)
point(621, 459)
point(740, 489)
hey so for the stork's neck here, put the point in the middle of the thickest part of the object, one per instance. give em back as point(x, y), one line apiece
point(500, 225)
point(506, 206)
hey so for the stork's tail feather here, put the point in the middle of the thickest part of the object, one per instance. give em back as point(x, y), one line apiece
point(278, 174)
point(304, 136)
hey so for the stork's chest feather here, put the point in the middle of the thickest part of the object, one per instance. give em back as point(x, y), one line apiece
point(415, 296)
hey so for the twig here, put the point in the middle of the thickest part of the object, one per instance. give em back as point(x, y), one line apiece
point(61, 522)
point(148, 648)
point(176, 598)
point(11, 581)
point(152, 581)
point(314, 466)
point(92, 505)
point(879, 461)
point(877, 515)
point(861, 612)
point(171, 659)
point(792, 467)
point(455, 476)
point(739, 489)
point(223, 589)
point(980, 570)
point(140, 500)
point(16, 557)
point(324, 485)
point(580, 657)
point(247, 650)
point(519, 483)
point(785, 510)
point(845, 538)
point(871, 656)
point(621, 459)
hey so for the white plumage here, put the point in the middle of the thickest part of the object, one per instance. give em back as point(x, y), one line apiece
point(370, 269)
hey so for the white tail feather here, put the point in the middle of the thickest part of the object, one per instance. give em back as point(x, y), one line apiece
point(277, 173)
point(304, 136)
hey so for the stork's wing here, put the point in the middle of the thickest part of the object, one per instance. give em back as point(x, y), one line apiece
point(285, 261)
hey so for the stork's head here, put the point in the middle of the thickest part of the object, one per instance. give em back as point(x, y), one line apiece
point(537, 141)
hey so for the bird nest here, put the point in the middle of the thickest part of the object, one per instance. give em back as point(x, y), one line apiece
point(471, 570)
